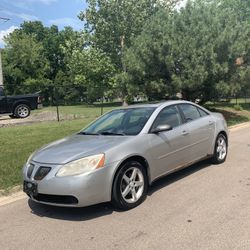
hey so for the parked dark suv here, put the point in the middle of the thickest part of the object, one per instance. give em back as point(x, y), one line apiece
point(18, 106)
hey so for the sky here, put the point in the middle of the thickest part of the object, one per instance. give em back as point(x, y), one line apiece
point(59, 12)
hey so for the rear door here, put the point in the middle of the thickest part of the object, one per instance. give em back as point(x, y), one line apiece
point(201, 129)
point(169, 149)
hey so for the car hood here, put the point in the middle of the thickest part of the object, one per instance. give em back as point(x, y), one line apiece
point(76, 147)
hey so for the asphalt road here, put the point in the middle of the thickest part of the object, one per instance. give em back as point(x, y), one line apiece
point(202, 207)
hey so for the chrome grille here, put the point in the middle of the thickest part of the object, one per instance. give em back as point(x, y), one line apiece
point(41, 173)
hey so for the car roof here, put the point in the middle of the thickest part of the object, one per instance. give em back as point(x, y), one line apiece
point(155, 105)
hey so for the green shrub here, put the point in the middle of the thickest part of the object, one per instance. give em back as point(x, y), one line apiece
point(237, 107)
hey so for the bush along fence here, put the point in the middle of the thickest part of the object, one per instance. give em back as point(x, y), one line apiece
point(72, 95)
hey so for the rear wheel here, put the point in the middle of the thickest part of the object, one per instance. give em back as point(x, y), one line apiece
point(22, 111)
point(220, 149)
point(130, 186)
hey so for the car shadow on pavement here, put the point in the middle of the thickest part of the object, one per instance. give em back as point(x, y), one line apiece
point(104, 209)
point(171, 178)
point(71, 214)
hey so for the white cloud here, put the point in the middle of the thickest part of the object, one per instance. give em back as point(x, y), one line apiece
point(19, 5)
point(6, 32)
point(67, 21)
point(27, 17)
point(23, 2)
point(28, 4)
point(23, 16)
point(41, 1)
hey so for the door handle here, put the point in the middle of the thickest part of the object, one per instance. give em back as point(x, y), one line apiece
point(184, 132)
point(211, 123)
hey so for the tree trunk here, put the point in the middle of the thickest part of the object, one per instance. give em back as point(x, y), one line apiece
point(124, 69)
point(124, 102)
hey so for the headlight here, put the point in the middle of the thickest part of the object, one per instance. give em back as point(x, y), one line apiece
point(82, 166)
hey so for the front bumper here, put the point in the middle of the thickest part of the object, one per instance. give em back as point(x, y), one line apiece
point(72, 191)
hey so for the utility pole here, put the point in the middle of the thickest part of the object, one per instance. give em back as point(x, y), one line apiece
point(5, 19)
point(1, 70)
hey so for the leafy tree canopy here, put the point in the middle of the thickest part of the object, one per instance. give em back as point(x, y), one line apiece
point(193, 50)
point(111, 26)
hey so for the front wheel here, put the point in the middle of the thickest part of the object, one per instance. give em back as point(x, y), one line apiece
point(130, 186)
point(220, 149)
point(22, 111)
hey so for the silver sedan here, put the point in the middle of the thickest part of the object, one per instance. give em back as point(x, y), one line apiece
point(120, 154)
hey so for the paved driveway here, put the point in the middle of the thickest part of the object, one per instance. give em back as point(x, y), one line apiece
point(202, 207)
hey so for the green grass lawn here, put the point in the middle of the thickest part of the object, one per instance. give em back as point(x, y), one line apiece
point(18, 142)
point(78, 111)
point(231, 112)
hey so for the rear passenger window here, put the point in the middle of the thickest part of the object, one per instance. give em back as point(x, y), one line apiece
point(190, 112)
point(202, 112)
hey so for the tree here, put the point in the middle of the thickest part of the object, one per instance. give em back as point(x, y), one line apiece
point(24, 62)
point(193, 51)
point(92, 72)
point(148, 58)
point(111, 26)
point(52, 67)
point(53, 41)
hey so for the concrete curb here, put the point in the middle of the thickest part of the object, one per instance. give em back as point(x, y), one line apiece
point(4, 200)
point(15, 196)
point(238, 126)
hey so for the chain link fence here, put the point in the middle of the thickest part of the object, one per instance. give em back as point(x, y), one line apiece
point(69, 102)
point(59, 103)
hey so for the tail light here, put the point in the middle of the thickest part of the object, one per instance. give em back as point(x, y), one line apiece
point(39, 99)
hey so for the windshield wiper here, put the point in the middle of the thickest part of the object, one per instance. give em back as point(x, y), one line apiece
point(86, 133)
point(111, 133)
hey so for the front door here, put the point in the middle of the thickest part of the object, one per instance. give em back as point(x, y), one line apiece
point(170, 149)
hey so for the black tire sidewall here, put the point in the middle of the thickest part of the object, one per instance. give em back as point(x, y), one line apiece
point(21, 105)
point(216, 160)
point(117, 198)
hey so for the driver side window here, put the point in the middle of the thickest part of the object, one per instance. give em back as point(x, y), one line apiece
point(170, 116)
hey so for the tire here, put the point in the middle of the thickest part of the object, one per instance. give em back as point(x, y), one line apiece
point(220, 149)
point(130, 186)
point(22, 111)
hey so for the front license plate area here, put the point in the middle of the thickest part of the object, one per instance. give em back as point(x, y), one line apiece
point(30, 188)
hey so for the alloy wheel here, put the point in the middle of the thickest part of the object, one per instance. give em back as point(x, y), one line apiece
point(23, 111)
point(221, 148)
point(132, 185)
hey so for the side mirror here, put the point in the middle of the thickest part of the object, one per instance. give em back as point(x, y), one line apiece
point(161, 128)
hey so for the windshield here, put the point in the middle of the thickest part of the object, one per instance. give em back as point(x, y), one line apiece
point(120, 122)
